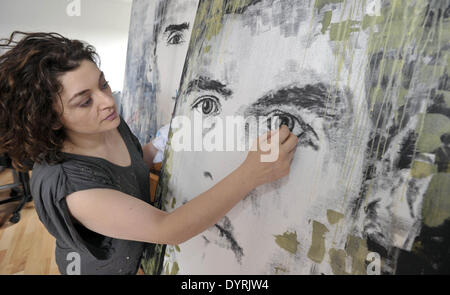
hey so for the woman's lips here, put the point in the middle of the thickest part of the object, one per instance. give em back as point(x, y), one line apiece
point(111, 117)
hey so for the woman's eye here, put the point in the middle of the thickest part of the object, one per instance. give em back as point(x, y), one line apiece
point(175, 38)
point(208, 105)
point(86, 103)
point(105, 85)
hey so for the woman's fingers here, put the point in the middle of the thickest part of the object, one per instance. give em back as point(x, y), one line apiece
point(284, 133)
point(291, 155)
point(290, 143)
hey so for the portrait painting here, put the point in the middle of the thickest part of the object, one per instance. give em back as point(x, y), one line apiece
point(363, 85)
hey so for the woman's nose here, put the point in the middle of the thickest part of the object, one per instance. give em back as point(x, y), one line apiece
point(105, 100)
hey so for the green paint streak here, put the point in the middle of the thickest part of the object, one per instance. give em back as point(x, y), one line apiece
point(421, 169)
point(326, 21)
point(369, 21)
point(334, 216)
point(279, 269)
point(174, 200)
point(177, 248)
point(317, 250)
point(434, 126)
point(436, 203)
point(337, 261)
point(166, 268)
point(357, 249)
point(446, 30)
point(319, 4)
point(341, 31)
point(175, 269)
point(401, 98)
point(287, 241)
point(427, 73)
point(417, 247)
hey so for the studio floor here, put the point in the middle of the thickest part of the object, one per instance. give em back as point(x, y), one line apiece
point(25, 247)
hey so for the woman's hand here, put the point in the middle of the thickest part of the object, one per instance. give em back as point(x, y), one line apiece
point(271, 156)
point(149, 151)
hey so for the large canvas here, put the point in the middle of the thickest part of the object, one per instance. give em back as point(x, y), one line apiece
point(157, 44)
point(363, 84)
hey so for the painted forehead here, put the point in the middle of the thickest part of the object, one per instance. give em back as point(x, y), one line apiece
point(268, 38)
point(284, 16)
point(177, 12)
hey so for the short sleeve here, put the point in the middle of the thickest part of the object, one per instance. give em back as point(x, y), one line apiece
point(134, 139)
point(49, 185)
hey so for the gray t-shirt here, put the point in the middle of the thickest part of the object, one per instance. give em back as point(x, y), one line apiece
point(50, 184)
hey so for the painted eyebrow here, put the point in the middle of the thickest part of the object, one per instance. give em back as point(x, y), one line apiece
point(175, 27)
point(102, 75)
point(319, 99)
point(206, 84)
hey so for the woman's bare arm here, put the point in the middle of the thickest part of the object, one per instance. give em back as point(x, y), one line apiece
point(118, 215)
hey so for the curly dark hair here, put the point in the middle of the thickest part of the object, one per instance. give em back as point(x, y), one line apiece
point(30, 126)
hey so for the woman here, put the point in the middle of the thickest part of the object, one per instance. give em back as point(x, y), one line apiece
point(90, 179)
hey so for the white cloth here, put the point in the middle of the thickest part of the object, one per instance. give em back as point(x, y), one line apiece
point(160, 142)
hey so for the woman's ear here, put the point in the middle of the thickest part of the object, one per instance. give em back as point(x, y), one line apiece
point(57, 107)
point(57, 125)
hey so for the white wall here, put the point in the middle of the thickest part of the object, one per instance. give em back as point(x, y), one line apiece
point(102, 23)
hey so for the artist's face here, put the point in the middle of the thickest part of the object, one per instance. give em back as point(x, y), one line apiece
point(271, 74)
point(172, 45)
point(87, 101)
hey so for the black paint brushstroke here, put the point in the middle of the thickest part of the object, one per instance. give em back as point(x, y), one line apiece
point(226, 232)
point(229, 6)
point(207, 174)
point(206, 239)
point(176, 27)
point(442, 154)
point(407, 151)
point(207, 84)
point(374, 143)
point(443, 83)
point(438, 105)
point(317, 98)
point(434, 14)
point(408, 71)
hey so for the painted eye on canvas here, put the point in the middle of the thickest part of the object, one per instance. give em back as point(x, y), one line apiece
point(175, 38)
point(284, 119)
point(302, 130)
point(208, 105)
